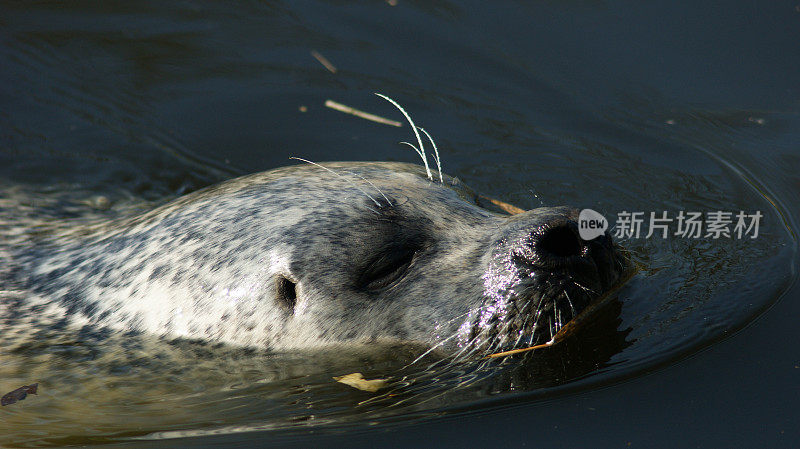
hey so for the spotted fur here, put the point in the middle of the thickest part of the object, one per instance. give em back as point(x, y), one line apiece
point(210, 265)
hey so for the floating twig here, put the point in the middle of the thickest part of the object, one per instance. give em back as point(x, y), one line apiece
point(324, 61)
point(365, 115)
point(517, 351)
point(509, 208)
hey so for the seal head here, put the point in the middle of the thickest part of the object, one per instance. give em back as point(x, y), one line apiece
point(298, 257)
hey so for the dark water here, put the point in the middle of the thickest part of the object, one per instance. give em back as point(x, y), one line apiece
point(615, 106)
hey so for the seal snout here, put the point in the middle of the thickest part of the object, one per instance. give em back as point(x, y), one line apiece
point(542, 275)
point(556, 244)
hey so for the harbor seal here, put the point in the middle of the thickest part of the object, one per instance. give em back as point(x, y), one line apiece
point(312, 255)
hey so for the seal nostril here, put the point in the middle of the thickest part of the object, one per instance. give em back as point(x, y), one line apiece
point(560, 241)
point(287, 294)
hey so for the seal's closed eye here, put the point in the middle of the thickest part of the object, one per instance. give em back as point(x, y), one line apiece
point(387, 269)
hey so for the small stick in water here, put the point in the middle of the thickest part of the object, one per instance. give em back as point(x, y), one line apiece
point(509, 208)
point(365, 115)
point(517, 351)
point(324, 61)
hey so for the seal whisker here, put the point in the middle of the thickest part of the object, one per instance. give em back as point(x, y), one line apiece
point(537, 315)
point(521, 332)
point(569, 301)
point(522, 326)
point(455, 318)
point(584, 288)
point(421, 150)
point(454, 335)
point(470, 346)
point(431, 350)
point(436, 155)
point(339, 175)
point(444, 361)
point(373, 186)
point(559, 319)
point(420, 153)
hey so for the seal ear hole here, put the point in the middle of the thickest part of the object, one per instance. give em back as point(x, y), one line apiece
point(287, 294)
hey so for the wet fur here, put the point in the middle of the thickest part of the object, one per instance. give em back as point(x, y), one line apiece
point(208, 264)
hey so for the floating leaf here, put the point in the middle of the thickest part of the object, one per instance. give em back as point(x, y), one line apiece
point(356, 380)
point(19, 394)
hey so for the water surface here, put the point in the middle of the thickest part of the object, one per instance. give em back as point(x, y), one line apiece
point(108, 109)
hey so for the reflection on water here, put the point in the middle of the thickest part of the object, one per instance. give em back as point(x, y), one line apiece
point(108, 110)
point(89, 380)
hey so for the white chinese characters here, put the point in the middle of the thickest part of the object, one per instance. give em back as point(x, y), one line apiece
point(713, 225)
